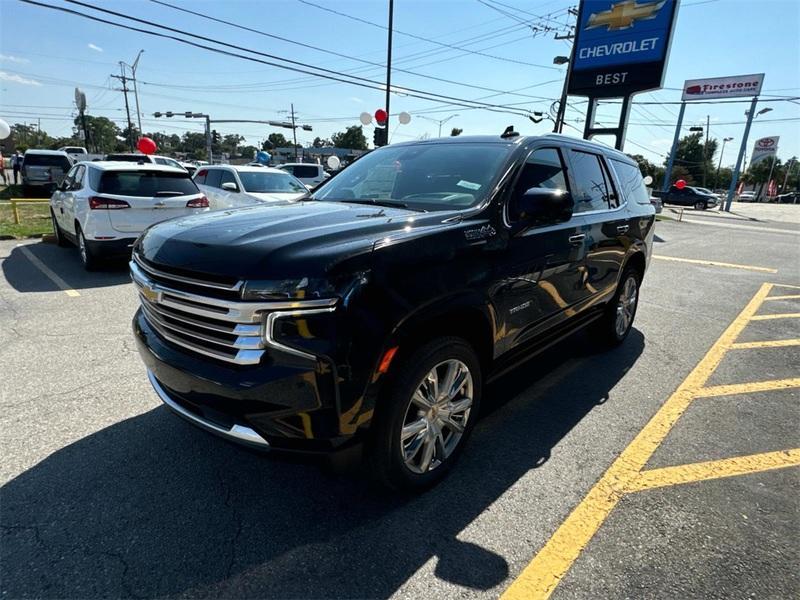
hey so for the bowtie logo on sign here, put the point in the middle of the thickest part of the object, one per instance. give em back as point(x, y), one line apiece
point(624, 14)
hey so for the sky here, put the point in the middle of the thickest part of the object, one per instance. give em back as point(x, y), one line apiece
point(45, 54)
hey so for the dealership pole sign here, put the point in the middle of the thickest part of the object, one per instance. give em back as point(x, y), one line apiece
point(715, 88)
point(621, 47)
point(764, 148)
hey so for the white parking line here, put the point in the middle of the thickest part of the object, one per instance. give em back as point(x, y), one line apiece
point(48, 272)
point(749, 227)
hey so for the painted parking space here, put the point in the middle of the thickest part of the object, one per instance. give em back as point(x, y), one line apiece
point(632, 474)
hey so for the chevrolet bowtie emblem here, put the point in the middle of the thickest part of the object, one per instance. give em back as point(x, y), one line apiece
point(624, 14)
point(150, 294)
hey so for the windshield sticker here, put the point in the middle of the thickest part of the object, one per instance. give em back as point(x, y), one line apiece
point(469, 185)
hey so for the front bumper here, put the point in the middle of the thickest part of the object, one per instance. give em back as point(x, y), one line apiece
point(282, 403)
point(119, 247)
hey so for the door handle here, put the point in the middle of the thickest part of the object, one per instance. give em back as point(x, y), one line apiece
point(577, 239)
point(623, 228)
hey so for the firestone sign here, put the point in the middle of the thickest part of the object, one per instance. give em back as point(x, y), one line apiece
point(740, 86)
point(621, 47)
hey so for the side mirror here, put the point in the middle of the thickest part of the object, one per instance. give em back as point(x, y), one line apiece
point(230, 186)
point(544, 206)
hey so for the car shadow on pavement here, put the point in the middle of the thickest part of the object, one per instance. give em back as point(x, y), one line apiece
point(153, 507)
point(25, 276)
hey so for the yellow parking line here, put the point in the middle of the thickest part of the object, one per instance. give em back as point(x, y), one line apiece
point(48, 272)
point(715, 469)
point(539, 579)
point(787, 297)
point(747, 388)
point(714, 263)
point(776, 316)
point(766, 344)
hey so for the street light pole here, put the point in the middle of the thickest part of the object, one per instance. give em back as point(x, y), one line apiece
point(136, 90)
point(716, 177)
point(705, 150)
point(439, 122)
point(389, 66)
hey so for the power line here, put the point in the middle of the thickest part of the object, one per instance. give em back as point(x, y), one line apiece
point(417, 37)
point(325, 50)
point(412, 92)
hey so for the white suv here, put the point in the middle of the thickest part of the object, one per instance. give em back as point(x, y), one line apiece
point(102, 207)
point(309, 173)
point(228, 186)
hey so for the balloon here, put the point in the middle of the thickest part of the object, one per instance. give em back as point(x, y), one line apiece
point(146, 145)
point(380, 116)
point(5, 130)
point(404, 118)
point(365, 118)
point(334, 162)
point(680, 184)
point(263, 157)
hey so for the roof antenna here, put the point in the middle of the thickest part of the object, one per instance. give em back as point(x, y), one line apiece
point(509, 132)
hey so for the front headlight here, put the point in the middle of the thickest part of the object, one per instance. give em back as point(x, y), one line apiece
point(304, 288)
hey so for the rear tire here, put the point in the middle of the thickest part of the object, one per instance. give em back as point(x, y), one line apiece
point(420, 429)
point(89, 259)
point(700, 205)
point(57, 233)
point(616, 323)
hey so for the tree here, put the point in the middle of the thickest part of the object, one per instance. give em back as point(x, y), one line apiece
point(693, 155)
point(352, 138)
point(193, 143)
point(229, 143)
point(247, 151)
point(455, 131)
point(275, 140)
point(321, 143)
point(103, 133)
point(29, 136)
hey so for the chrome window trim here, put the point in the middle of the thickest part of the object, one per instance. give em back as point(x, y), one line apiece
point(189, 280)
point(239, 433)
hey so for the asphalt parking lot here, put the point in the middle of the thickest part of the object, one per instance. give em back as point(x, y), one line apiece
point(665, 468)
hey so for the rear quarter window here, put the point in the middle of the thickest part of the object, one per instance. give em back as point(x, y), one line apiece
point(305, 171)
point(146, 183)
point(631, 182)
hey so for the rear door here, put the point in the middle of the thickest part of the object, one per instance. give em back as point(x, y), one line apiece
point(73, 187)
point(605, 222)
point(141, 197)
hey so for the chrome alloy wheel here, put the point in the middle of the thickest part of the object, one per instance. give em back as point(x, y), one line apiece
point(626, 306)
point(436, 416)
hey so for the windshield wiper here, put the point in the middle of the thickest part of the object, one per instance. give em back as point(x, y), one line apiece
point(380, 202)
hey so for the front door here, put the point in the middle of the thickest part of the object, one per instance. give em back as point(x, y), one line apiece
point(538, 276)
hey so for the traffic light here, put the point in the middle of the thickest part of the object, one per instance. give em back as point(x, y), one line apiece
point(215, 138)
point(380, 137)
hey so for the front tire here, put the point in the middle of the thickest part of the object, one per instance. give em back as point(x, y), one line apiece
point(88, 258)
point(426, 416)
point(615, 325)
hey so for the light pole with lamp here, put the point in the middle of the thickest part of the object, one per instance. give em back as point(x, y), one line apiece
point(735, 179)
point(719, 165)
point(440, 122)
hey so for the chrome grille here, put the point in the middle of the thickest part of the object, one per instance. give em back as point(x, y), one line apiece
point(223, 329)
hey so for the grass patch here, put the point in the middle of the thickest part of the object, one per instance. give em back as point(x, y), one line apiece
point(34, 221)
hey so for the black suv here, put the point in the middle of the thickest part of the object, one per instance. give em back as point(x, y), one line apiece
point(373, 311)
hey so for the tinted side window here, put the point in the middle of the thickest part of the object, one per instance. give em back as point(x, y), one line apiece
point(305, 171)
point(630, 179)
point(544, 168)
point(227, 177)
point(593, 191)
point(214, 177)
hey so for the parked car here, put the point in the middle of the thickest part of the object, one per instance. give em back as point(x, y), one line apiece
point(310, 174)
point(228, 186)
point(788, 198)
point(374, 311)
point(687, 196)
point(102, 207)
point(43, 171)
point(748, 196)
point(79, 152)
point(657, 204)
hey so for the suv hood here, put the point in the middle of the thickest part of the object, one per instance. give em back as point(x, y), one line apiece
point(278, 241)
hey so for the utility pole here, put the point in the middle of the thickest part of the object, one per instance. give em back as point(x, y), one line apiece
point(209, 153)
point(389, 66)
point(705, 150)
point(134, 66)
point(294, 133)
point(124, 79)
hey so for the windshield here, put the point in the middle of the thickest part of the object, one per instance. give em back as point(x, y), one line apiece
point(437, 176)
point(704, 191)
point(258, 182)
point(146, 183)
